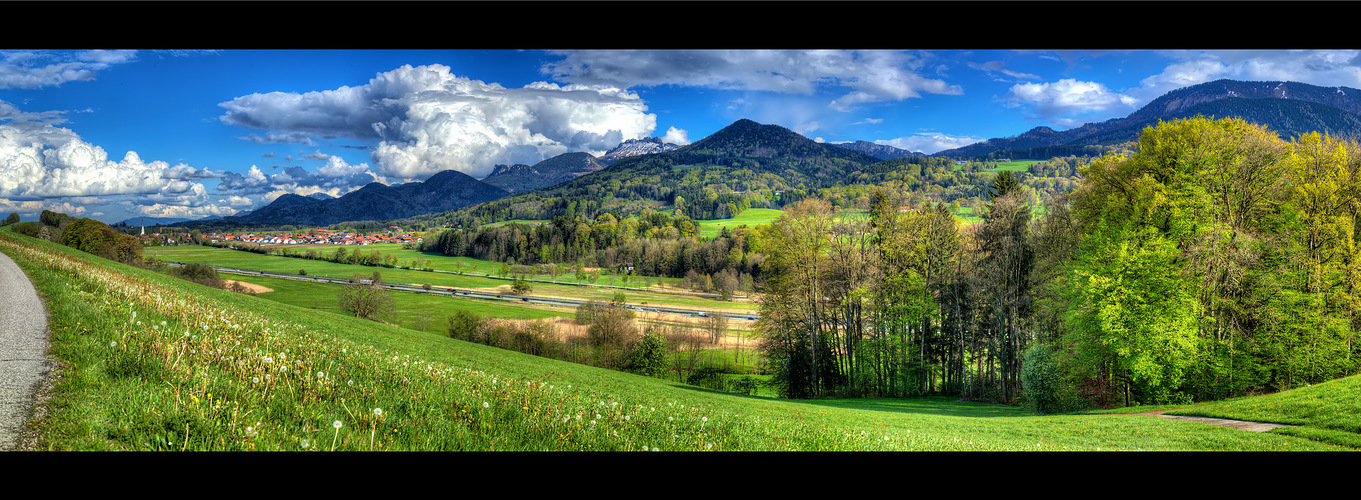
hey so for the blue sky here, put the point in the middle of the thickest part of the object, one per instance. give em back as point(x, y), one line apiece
point(114, 134)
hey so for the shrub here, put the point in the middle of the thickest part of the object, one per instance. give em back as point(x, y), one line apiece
point(29, 229)
point(521, 287)
point(1044, 387)
point(365, 299)
point(587, 312)
point(708, 378)
point(202, 274)
point(649, 356)
point(467, 326)
point(745, 385)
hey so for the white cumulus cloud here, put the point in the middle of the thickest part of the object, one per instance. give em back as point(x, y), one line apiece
point(1063, 100)
point(676, 136)
point(429, 120)
point(51, 168)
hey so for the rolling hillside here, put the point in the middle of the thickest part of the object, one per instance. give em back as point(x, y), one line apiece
point(155, 363)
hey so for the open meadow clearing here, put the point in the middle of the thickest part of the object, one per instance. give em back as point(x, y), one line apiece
point(750, 217)
point(151, 362)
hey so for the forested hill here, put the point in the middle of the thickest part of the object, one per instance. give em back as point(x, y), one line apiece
point(1287, 108)
point(744, 165)
point(446, 190)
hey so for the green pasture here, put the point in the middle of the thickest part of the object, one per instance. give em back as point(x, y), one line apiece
point(751, 217)
point(417, 311)
point(273, 263)
point(150, 362)
point(1013, 166)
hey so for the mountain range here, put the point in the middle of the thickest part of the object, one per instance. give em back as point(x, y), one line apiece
point(1288, 108)
point(443, 191)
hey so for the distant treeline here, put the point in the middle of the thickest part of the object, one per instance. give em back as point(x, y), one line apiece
point(653, 244)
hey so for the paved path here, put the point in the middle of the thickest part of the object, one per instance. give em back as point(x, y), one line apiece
point(23, 351)
point(1242, 425)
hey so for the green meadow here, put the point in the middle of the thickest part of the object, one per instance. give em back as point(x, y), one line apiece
point(471, 279)
point(750, 217)
point(1013, 166)
point(150, 362)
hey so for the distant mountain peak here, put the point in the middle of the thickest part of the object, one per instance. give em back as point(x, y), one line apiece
point(519, 178)
point(880, 151)
point(636, 147)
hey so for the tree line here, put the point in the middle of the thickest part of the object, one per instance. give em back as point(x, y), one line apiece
point(1216, 260)
point(652, 244)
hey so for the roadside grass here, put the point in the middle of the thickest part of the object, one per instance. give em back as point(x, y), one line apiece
point(751, 217)
point(151, 362)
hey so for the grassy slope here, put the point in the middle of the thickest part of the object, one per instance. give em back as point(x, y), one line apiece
point(154, 363)
point(1329, 412)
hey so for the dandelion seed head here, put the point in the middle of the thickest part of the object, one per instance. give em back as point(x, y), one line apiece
point(378, 411)
point(336, 424)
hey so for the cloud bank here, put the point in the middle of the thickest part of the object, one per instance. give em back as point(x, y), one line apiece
point(869, 75)
point(43, 167)
point(36, 69)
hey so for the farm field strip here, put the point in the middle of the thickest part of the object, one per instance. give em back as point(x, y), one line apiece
point(471, 294)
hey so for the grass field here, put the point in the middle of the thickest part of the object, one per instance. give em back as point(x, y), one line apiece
point(1013, 166)
point(150, 362)
point(273, 263)
point(750, 217)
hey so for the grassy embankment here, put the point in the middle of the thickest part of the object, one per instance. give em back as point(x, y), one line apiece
point(150, 362)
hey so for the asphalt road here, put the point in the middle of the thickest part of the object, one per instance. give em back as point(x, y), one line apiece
point(23, 351)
